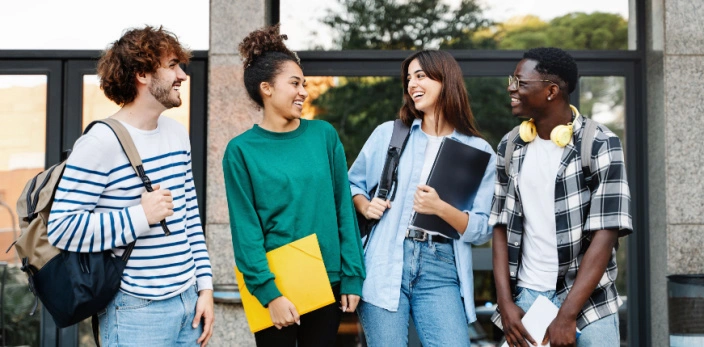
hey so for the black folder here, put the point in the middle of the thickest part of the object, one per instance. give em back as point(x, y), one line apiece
point(456, 175)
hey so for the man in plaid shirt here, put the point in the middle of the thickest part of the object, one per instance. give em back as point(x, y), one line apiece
point(556, 224)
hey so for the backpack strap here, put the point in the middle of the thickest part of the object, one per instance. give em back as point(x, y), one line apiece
point(125, 141)
point(389, 174)
point(510, 146)
point(588, 134)
point(127, 145)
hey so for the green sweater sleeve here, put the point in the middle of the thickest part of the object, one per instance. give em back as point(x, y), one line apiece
point(352, 259)
point(247, 233)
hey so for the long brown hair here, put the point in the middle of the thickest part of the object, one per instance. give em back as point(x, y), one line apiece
point(452, 103)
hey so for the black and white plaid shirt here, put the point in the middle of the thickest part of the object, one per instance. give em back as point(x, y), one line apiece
point(580, 209)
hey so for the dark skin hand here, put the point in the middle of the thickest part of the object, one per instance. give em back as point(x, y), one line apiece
point(561, 331)
point(515, 332)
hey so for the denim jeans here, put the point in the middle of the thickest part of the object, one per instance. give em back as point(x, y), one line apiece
point(603, 332)
point(131, 321)
point(430, 292)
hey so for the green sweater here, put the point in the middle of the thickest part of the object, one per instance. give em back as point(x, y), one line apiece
point(282, 187)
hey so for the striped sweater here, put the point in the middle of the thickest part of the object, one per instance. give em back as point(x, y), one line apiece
point(97, 207)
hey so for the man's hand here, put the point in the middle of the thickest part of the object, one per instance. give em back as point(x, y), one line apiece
point(157, 205)
point(205, 312)
point(349, 302)
point(283, 313)
point(562, 332)
point(375, 209)
point(516, 334)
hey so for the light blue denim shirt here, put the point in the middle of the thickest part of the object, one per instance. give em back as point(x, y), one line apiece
point(384, 254)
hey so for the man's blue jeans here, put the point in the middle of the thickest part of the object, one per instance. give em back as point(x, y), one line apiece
point(430, 291)
point(602, 333)
point(131, 321)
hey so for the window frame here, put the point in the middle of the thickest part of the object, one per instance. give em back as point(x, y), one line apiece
point(64, 70)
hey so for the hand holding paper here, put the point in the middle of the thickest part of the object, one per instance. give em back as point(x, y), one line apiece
point(539, 317)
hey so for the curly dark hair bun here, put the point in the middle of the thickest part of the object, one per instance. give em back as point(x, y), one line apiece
point(259, 42)
point(263, 55)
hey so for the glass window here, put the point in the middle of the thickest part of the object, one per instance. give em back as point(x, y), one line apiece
point(458, 24)
point(603, 99)
point(97, 106)
point(22, 156)
point(355, 106)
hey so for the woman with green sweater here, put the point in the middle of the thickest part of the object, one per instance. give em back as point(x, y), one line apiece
point(286, 178)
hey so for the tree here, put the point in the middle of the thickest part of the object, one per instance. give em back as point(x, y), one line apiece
point(413, 24)
point(358, 105)
point(355, 106)
point(573, 31)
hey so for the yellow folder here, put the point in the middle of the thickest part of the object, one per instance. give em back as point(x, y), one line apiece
point(300, 276)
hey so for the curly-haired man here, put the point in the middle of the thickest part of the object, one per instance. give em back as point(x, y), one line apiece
point(557, 221)
point(166, 293)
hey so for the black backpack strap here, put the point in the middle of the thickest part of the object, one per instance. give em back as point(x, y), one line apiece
point(95, 324)
point(125, 140)
point(389, 175)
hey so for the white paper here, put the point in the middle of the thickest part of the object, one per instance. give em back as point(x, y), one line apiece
point(538, 318)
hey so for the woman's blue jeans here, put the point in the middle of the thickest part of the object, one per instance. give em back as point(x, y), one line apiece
point(430, 293)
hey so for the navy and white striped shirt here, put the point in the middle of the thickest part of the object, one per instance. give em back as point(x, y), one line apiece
point(97, 207)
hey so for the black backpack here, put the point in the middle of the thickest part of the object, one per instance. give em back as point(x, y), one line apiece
point(72, 286)
point(386, 189)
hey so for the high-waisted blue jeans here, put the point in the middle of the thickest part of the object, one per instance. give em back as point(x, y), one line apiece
point(430, 292)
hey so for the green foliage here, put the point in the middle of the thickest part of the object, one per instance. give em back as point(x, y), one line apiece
point(20, 327)
point(357, 106)
point(491, 107)
point(573, 31)
point(412, 24)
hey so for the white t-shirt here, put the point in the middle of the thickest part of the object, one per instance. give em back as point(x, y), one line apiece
point(431, 151)
point(536, 182)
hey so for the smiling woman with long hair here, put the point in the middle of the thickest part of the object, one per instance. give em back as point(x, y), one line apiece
point(286, 178)
point(421, 273)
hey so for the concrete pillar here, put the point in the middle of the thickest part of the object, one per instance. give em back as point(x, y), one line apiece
point(675, 60)
point(230, 113)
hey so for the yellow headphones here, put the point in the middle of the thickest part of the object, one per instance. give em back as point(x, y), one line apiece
point(560, 135)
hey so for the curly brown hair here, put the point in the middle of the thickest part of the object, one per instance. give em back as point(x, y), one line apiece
point(138, 51)
point(263, 53)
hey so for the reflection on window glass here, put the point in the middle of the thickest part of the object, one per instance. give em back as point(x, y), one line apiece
point(22, 156)
point(457, 24)
point(357, 105)
point(97, 106)
point(353, 105)
point(603, 99)
point(491, 107)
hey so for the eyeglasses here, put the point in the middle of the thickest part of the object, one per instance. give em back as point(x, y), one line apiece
point(514, 82)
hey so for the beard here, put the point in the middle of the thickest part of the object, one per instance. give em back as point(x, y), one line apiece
point(161, 91)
